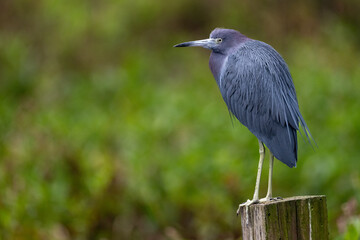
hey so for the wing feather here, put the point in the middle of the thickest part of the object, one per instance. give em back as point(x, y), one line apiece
point(257, 87)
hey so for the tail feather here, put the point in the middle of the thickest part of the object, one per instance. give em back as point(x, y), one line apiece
point(283, 147)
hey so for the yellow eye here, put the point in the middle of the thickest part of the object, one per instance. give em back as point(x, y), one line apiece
point(218, 40)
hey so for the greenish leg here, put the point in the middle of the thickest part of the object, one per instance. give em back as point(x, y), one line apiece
point(257, 185)
point(271, 166)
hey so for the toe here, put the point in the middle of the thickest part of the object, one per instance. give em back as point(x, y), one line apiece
point(268, 199)
point(249, 202)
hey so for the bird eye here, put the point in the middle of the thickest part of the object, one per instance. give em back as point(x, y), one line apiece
point(218, 40)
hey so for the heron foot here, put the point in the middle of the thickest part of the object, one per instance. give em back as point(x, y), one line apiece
point(246, 204)
point(269, 199)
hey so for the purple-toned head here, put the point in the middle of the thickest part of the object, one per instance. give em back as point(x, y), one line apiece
point(221, 40)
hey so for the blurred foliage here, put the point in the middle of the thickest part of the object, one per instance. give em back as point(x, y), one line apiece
point(107, 132)
point(353, 230)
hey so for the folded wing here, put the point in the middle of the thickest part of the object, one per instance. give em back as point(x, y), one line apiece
point(257, 87)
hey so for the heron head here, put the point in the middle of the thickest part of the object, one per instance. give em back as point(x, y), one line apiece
point(220, 40)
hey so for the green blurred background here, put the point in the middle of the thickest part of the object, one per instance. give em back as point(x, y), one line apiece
point(108, 132)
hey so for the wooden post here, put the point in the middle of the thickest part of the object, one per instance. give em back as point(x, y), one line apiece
point(303, 217)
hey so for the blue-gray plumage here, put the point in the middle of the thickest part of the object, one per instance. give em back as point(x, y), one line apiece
point(258, 90)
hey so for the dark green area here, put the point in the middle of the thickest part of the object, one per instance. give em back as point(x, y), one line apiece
point(107, 132)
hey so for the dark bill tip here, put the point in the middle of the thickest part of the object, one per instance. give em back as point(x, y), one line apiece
point(185, 44)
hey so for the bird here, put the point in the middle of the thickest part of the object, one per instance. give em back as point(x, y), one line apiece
point(257, 87)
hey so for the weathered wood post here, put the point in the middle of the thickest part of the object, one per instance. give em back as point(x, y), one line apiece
point(303, 217)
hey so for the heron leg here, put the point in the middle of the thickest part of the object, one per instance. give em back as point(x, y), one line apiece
point(269, 191)
point(258, 176)
point(271, 167)
point(257, 185)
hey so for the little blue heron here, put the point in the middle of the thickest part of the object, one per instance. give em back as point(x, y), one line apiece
point(258, 90)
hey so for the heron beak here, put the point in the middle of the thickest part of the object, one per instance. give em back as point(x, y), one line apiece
point(205, 43)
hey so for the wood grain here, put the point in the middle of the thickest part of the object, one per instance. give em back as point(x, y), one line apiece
point(302, 217)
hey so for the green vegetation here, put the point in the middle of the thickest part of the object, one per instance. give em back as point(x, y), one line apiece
point(107, 132)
